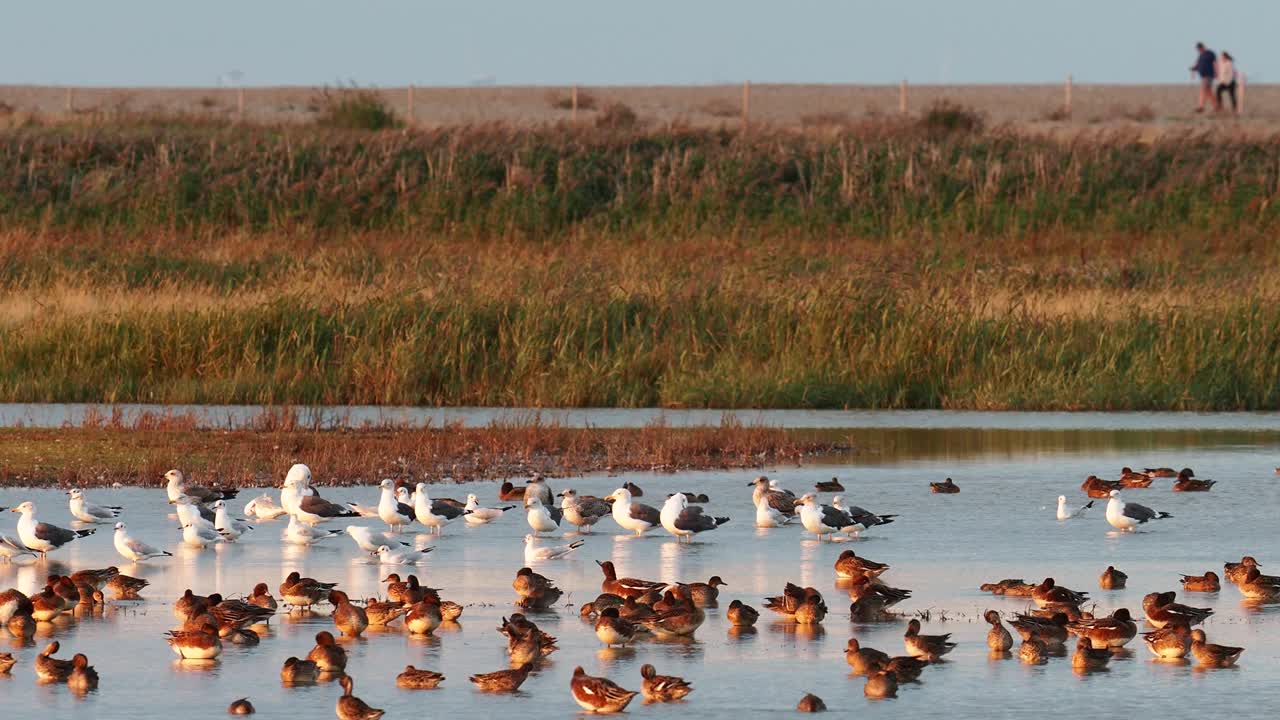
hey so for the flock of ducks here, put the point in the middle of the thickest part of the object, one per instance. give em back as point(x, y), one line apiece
point(626, 612)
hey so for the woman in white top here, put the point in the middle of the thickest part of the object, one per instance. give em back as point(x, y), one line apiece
point(1226, 70)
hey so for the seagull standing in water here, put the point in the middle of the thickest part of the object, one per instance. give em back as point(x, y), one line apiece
point(634, 516)
point(133, 549)
point(401, 556)
point(534, 553)
point(43, 537)
point(300, 534)
point(1065, 514)
point(85, 511)
point(230, 529)
point(434, 513)
point(683, 521)
point(542, 518)
point(1128, 516)
point(391, 510)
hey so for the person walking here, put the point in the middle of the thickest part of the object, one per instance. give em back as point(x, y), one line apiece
point(1206, 69)
point(1227, 78)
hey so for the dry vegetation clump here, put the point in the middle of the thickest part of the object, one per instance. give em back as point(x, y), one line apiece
point(353, 108)
point(945, 116)
point(617, 116)
point(721, 108)
point(564, 101)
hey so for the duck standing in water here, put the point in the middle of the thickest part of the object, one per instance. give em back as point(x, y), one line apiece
point(598, 694)
point(351, 707)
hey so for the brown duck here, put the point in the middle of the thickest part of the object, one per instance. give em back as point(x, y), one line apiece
point(503, 680)
point(1207, 582)
point(998, 638)
point(414, 679)
point(1209, 655)
point(598, 694)
point(1109, 632)
point(742, 615)
point(926, 647)
point(864, 661)
point(297, 671)
point(1134, 480)
point(327, 654)
point(49, 668)
point(881, 684)
point(1187, 482)
point(662, 688)
point(351, 707)
point(1112, 579)
point(1096, 487)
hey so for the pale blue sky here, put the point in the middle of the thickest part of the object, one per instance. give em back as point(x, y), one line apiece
point(521, 42)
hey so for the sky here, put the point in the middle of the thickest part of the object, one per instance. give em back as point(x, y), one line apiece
point(609, 42)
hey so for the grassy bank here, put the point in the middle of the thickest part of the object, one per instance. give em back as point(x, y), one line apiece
point(622, 267)
point(867, 179)
point(105, 454)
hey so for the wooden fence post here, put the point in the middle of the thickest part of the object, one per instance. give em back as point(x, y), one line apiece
point(408, 109)
point(573, 104)
point(902, 97)
point(1066, 104)
point(746, 104)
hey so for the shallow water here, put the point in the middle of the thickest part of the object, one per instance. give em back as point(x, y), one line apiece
point(942, 547)
point(52, 415)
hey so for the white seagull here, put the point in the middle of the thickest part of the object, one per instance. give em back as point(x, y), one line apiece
point(862, 519)
point(538, 488)
point(402, 556)
point(297, 485)
point(177, 485)
point(583, 512)
point(199, 536)
point(1128, 516)
point(821, 520)
point(683, 521)
point(189, 513)
point(1065, 514)
point(768, 516)
point(481, 515)
point(391, 510)
point(300, 534)
point(11, 547)
point(263, 507)
point(532, 553)
point(370, 540)
point(636, 517)
point(230, 529)
point(85, 511)
point(541, 518)
point(135, 550)
point(43, 537)
point(434, 514)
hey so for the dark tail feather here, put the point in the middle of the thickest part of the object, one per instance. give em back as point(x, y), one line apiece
point(577, 543)
point(1089, 504)
point(85, 533)
point(228, 494)
point(885, 519)
point(721, 520)
point(351, 513)
point(1163, 515)
point(505, 508)
point(166, 552)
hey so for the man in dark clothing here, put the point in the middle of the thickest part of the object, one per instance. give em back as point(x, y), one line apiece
point(1205, 67)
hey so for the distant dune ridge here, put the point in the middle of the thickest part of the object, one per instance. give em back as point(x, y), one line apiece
point(1157, 106)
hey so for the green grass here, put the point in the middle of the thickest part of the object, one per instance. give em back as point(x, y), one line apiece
point(870, 181)
point(878, 267)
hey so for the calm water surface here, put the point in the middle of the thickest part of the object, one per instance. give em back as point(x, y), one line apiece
point(62, 414)
point(942, 547)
